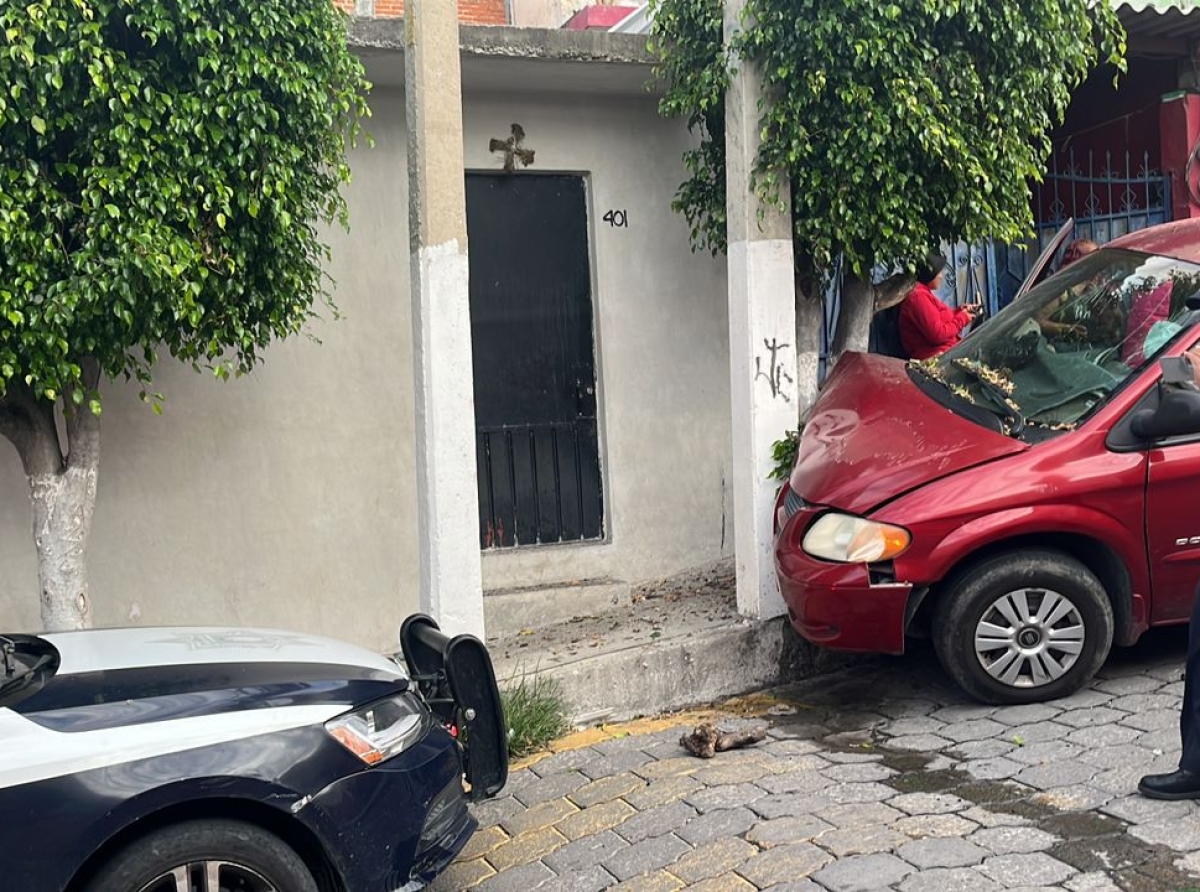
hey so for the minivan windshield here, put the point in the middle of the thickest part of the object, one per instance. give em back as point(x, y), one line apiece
point(1051, 357)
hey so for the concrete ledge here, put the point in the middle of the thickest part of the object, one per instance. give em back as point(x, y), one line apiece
point(520, 43)
point(510, 611)
point(671, 673)
point(674, 643)
point(563, 45)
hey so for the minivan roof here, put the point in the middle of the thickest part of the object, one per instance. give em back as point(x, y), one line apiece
point(1180, 239)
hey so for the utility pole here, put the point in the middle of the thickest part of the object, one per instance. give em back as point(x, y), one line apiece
point(448, 499)
point(762, 336)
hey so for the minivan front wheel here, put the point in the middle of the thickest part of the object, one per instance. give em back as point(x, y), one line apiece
point(1023, 627)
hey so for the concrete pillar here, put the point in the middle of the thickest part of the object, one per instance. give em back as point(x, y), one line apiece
point(1179, 133)
point(762, 330)
point(448, 501)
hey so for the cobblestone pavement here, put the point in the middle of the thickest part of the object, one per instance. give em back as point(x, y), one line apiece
point(885, 778)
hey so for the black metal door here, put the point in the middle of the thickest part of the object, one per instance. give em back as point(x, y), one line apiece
point(535, 374)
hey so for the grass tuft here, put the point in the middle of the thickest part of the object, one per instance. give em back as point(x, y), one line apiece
point(535, 713)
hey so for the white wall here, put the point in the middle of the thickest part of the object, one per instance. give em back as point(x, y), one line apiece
point(287, 498)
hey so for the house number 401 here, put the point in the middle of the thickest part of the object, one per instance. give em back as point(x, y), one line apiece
point(616, 218)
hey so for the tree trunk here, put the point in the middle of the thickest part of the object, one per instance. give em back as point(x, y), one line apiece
point(809, 319)
point(62, 493)
point(62, 524)
point(854, 321)
point(892, 290)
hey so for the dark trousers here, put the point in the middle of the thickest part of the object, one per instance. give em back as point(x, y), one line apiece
point(1189, 711)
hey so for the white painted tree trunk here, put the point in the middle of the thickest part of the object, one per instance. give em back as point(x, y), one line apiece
point(854, 320)
point(809, 318)
point(62, 494)
point(62, 522)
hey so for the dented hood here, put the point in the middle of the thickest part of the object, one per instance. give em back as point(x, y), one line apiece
point(874, 435)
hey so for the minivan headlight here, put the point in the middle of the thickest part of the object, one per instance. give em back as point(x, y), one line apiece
point(854, 540)
point(379, 730)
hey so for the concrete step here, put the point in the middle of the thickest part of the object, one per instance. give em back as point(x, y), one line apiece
point(508, 612)
point(676, 643)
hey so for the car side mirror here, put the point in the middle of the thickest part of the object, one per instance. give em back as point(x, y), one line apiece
point(1178, 414)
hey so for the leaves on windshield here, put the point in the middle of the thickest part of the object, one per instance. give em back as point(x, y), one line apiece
point(1002, 388)
point(999, 388)
point(991, 376)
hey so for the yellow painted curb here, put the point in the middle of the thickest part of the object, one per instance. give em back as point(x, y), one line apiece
point(748, 706)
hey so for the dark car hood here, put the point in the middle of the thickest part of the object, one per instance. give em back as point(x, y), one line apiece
point(874, 435)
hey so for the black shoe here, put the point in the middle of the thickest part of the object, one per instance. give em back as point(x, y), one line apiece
point(1176, 785)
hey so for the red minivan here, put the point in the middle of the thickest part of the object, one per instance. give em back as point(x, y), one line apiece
point(996, 498)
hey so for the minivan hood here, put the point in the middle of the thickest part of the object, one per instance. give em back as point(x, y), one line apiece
point(873, 435)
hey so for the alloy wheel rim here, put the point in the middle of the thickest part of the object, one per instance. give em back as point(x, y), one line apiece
point(210, 876)
point(1029, 637)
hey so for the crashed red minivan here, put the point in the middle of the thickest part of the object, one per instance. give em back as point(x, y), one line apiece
point(999, 498)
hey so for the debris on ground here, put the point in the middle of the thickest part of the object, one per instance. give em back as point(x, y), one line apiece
point(706, 741)
point(682, 605)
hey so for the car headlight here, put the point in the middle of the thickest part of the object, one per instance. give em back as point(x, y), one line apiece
point(381, 729)
point(854, 540)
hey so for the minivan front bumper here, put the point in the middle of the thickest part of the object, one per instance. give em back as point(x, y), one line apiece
point(836, 605)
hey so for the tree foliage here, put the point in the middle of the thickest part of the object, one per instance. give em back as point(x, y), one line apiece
point(687, 38)
point(164, 166)
point(900, 123)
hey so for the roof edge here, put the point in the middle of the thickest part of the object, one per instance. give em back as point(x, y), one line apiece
point(365, 32)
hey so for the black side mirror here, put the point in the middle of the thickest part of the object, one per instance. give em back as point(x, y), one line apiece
point(1177, 414)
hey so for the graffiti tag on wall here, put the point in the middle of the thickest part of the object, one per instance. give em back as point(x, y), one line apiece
point(774, 373)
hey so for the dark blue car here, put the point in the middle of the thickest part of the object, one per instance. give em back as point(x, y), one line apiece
point(240, 760)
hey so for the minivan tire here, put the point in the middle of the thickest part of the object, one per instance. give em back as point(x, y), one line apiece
point(1018, 658)
point(252, 855)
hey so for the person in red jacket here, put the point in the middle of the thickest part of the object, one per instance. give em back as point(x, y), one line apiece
point(927, 326)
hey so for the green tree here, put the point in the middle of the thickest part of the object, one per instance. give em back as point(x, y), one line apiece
point(164, 168)
point(899, 123)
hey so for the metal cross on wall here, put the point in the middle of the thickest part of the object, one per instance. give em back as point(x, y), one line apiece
point(514, 152)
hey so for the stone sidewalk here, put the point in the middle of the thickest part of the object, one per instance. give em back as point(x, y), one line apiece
point(884, 778)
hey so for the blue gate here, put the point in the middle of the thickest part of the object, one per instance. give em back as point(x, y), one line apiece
point(1107, 197)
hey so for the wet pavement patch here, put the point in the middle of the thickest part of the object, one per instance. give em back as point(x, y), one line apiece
point(1157, 874)
point(905, 762)
point(1081, 824)
point(926, 781)
point(1090, 842)
point(1135, 866)
point(993, 795)
point(1022, 808)
point(1106, 853)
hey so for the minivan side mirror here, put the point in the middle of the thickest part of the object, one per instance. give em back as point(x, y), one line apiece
point(1178, 414)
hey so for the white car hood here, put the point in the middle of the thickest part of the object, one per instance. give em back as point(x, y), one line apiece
point(96, 650)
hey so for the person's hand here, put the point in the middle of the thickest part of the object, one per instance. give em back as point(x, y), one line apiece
point(1071, 330)
point(1193, 356)
point(975, 309)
